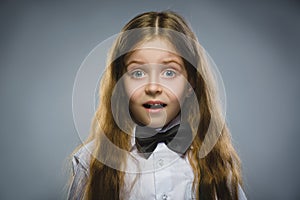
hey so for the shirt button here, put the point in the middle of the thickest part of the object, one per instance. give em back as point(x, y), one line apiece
point(161, 162)
point(164, 197)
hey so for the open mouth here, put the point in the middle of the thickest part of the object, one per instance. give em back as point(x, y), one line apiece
point(154, 105)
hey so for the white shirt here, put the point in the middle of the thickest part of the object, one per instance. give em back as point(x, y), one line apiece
point(165, 175)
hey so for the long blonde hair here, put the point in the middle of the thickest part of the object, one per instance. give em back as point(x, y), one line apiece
point(217, 174)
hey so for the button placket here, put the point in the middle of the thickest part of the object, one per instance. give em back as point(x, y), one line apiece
point(160, 162)
point(162, 173)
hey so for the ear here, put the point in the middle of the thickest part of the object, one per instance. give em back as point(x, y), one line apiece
point(189, 91)
point(190, 87)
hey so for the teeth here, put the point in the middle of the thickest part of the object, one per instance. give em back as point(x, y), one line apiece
point(154, 106)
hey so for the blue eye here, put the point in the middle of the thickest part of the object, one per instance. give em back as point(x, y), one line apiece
point(137, 74)
point(169, 73)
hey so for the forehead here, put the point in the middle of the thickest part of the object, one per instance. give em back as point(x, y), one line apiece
point(157, 43)
point(155, 50)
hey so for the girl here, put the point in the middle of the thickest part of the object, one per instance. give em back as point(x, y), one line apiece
point(158, 132)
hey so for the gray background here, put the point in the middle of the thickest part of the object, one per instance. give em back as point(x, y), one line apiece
point(255, 44)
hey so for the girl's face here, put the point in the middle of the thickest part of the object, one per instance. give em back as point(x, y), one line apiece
point(155, 82)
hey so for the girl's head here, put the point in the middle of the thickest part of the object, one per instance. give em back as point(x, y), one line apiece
point(153, 64)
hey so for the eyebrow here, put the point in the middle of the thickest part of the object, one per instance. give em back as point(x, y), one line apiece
point(134, 62)
point(173, 61)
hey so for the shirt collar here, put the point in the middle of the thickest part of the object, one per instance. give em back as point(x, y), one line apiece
point(173, 123)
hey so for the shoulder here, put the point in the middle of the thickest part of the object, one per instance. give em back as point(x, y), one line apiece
point(241, 193)
point(82, 157)
point(80, 162)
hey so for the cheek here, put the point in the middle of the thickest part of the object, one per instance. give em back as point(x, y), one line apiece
point(134, 95)
point(177, 91)
point(132, 87)
point(128, 87)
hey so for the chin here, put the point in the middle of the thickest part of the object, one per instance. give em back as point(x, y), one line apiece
point(150, 124)
point(156, 124)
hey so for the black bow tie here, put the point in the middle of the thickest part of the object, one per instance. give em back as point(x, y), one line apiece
point(178, 139)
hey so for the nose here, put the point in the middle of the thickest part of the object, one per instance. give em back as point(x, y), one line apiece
point(153, 89)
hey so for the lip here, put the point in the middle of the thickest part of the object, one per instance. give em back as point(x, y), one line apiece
point(154, 110)
point(154, 102)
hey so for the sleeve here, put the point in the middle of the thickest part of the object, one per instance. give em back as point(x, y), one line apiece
point(241, 194)
point(79, 180)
